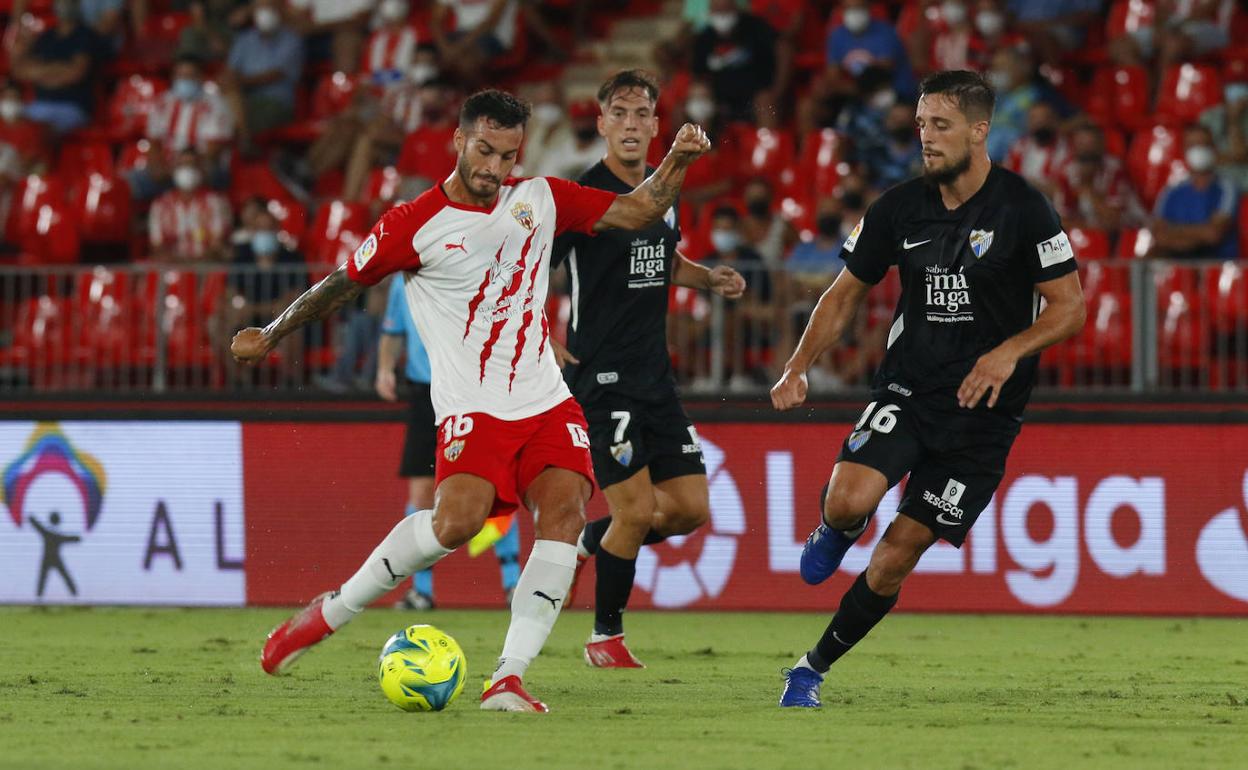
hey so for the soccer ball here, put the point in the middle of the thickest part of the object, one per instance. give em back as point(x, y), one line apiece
point(421, 669)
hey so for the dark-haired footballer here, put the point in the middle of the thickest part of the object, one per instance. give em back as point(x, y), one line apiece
point(977, 247)
point(475, 256)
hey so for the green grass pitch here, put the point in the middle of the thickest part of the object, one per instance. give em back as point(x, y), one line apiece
point(165, 688)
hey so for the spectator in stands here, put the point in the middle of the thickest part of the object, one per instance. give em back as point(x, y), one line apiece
point(992, 31)
point(855, 196)
point(710, 177)
point(1012, 77)
point(549, 126)
point(1055, 27)
point(21, 139)
point(951, 45)
point(1228, 122)
point(579, 150)
point(862, 119)
point(390, 52)
point(1195, 218)
point(58, 63)
point(191, 114)
point(787, 18)
point(736, 54)
point(1093, 190)
point(484, 30)
point(1182, 30)
point(262, 72)
point(898, 156)
point(1039, 155)
point(818, 260)
point(861, 41)
point(210, 33)
point(333, 30)
point(748, 322)
point(762, 227)
point(189, 223)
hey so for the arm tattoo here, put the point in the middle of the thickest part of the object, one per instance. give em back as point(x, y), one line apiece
point(316, 303)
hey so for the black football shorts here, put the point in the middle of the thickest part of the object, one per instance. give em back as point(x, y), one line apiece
point(955, 457)
point(420, 446)
point(627, 434)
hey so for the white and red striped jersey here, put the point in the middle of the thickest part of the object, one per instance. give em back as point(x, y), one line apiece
point(191, 224)
point(194, 124)
point(475, 281)
point(1039, 164)
point(401, 102)
point(390, 51)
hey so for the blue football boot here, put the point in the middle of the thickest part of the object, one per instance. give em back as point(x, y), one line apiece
point(823, 552)
point(801, 688)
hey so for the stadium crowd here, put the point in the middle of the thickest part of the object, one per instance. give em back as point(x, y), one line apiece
point(265, 133)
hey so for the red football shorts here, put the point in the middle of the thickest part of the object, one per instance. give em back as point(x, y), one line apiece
point(511, 453)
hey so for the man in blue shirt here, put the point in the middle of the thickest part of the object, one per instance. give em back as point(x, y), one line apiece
point(861, 41)
point(420, 445)
point(58, 63)
point(262, 72)
point(1194, 218)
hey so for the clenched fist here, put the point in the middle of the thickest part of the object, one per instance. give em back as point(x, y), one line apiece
point(250, 345)
point(691, 143)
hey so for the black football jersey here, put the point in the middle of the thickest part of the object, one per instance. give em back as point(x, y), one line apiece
point(968, 279)
point(619, 282)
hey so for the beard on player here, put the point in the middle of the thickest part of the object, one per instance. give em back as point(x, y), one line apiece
point(941, 169)
point(480, 182)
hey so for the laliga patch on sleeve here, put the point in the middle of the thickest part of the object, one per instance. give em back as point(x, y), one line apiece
point(852, 240)
point(365, 252)
point(1055, 250)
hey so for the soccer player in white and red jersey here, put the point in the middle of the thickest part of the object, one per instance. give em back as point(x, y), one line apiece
point(475, 254)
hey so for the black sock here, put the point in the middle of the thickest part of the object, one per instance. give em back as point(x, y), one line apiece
point(615, 583)
point(861, 608)
point(597, 529)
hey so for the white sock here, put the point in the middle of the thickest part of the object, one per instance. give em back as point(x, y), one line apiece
point(804, 663)
point(410, 547)
point(536, 603)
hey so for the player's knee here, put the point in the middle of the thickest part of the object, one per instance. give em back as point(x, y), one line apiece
point(561, 519)
point(844, 506)
point(690, 516)
point(455, 524)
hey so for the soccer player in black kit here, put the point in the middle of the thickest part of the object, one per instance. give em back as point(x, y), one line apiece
point(976, 247)
point(646, 453)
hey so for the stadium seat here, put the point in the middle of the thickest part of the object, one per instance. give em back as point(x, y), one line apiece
point(1183, 331)
point(85, 157)
point(292, 218)
point(30, 195)
point(763, 152)
point(1155, 159)
point(1133, 242)
point(338, 224)
point(1119, 97)
point(134, 156)
point(1187, 90)
point(822, 159)
point(102, 207)
point(1089, 243)
point(427, 152)
point(41, 337)
point(104, 308)
point(333, 94)
point(382, 185)
point(255, 178)
point(1127, 16)
point(131, 103)
point(1226, 297)
point(170, 301)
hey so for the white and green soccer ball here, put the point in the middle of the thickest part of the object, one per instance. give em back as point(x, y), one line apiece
point(421, 669)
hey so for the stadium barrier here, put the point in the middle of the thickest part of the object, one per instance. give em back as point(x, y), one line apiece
point(1152, 326)
point(1146, 517)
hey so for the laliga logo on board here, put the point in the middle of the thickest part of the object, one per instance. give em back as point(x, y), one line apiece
point(678, 584)
point(1222, 551)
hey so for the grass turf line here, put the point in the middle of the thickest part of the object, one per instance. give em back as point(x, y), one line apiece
point(140, 688)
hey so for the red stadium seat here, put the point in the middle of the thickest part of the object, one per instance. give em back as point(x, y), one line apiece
point(105, 311)
point(41, 337)
point(248, 179)
point(29, 197)
point(134, 156)
point(1126, 16)
point(337, 224)
point(1226, 296)
point(428, 152)
point(1134, 243)
point(1183, 336)
point(382, 185)
point(1089, 243)
point(130, 105)
point(1154, 160)
point(763, 152)
point(85, 157)
point(1119, 97)
point(171, 300)
point(292, 218)
point(102, 206)
point(821, 163)
point(333, 94)
point(1186, 91)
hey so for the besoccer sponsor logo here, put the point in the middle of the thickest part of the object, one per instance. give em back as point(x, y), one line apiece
point(647, 264)
point(948, 296)
point(695, 444)
point(453, 450)
point(950, 514)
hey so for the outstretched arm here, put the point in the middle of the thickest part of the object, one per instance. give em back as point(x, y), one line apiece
point(721, 279)
point(319, 302)
point(827, 324)
point(652, 198)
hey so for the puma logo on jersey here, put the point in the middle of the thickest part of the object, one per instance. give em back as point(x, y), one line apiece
point(460, 245)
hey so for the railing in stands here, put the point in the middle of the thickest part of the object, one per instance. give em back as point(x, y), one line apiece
point(1152, 326)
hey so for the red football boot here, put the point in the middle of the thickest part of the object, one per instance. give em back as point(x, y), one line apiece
point(507, 694)
point(610, 652)
point(293, 638)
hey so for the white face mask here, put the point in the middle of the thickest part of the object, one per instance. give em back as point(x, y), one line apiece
point(856, 19)
point(186, 178)
point(547, 114)
point(267, 19)
point(1200, 158)
point(393, 10)
point(725, 241)
point(999, 80)
point(10, 110)
point(699, 109)
point(882, 100)
point(953, 13)
point(722, 22)
point(989, 23)
point(422, 72)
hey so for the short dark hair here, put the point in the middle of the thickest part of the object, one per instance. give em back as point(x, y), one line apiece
point(627, 80)
point(974, 97)
point(498, 107)
point(191, 59)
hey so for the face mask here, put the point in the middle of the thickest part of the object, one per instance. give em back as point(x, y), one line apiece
point(186, 89)
point(586, 133)
point(10, 110)
point(902, 134)
point(828, 225)
point(759, 209)
point(1199, 158)
point(547, 114)
point(422, 72)
point(267, 19)
point(722, 22)
point(264, 242)
point(1045, 136)
point(1000, 81)
point(856, 19)
point(186, 178)
point(699, 109)
point(725, 241)
point(989, 23)
point(882, 100)
point(852, 201)
point(393, 10)
point(953, 13)
point(1236, 92)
